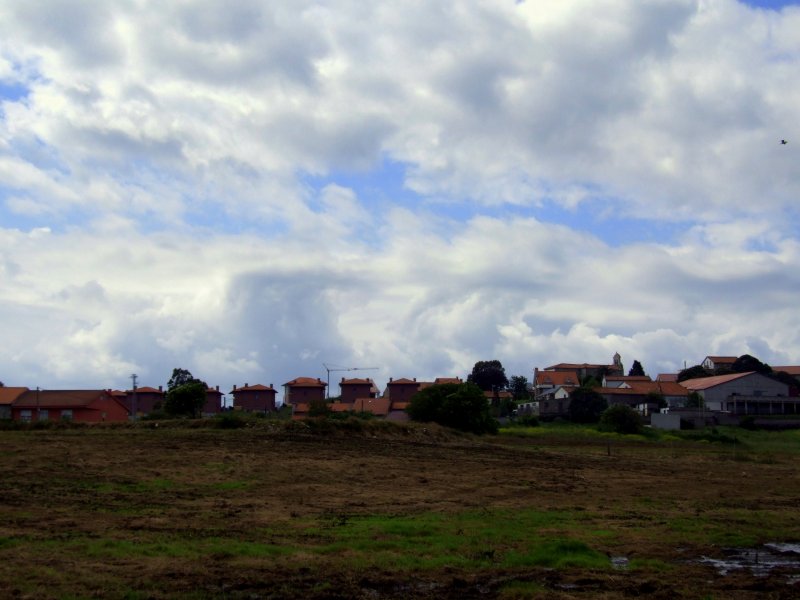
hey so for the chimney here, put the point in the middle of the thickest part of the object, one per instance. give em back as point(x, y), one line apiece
point(415, 378)
point(390, 380)
point(246, 385)
point(342, 379)
point(234, 387)
point(160, 389)
point(217, 387)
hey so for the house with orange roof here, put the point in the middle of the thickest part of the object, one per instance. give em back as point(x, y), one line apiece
point(304, 390)
point(213, 404)
point(353, 389)
point(146, 399)
point(7, 397)
point(83, 406)
point(589, 369)
point(254, 398)
point(718, 363)
point(401, 390)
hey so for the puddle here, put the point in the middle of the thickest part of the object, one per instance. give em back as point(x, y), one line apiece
point(759, 561)
point(619, 562)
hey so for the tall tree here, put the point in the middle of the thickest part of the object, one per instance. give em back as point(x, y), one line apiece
point(519, 388)
point(636, 369)
point(185, 394)
point(180, 377)
point(488, 375)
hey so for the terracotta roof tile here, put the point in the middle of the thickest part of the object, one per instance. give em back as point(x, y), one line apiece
point(306, 382)
point(403, 381)
point(254, 388)
point(703, 383)
point(557, 378)
point(790, 369)
point(9, 394)
point(58, 398)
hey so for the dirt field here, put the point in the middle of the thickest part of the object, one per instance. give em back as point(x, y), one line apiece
point(419, 513)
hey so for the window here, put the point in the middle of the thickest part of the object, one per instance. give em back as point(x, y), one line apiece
point(25, 415)
point(43, 415)
point(66, 414)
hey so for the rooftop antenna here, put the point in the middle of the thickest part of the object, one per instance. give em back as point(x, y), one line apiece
point(333, 368)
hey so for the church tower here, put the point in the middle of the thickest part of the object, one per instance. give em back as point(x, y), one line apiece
point(618, 364)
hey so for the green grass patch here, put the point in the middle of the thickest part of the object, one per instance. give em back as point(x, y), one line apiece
point(521, 590)
point(557, 554)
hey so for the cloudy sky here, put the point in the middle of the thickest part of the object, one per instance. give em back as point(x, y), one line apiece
point(253, 190)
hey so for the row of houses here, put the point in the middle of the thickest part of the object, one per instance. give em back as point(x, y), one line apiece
point(749, 393)
point(301, 394)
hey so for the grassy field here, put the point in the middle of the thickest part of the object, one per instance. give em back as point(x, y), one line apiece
point(368, 510)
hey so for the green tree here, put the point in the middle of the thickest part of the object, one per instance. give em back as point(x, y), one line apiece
point(519, 388)
point(621, 418)
point(746, 363)
point(186, 399)
point(636, 369)
point(185, 394)
point(695, 372)
point(586, 405)
point(179, 377)
point(488, 375)
point(458, 405)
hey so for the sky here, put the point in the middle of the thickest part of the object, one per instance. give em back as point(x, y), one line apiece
point(257, 190)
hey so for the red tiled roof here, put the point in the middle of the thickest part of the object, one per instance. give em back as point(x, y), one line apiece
point(557, 378)
point(499, 394)
point(403, 381)
point(376, 406)
point(667, 388)
point(58, 398)
point(306, 382)
point(575, 366)
point(703, 383)
point(400, 405)
point(790, 369)
point(146, 390)
point(441, 380)
point(356, 381)
point(9, 394)
point(300, 408)
point(723, 360)
point(628, 378)
point(253, 388)
point(667, 377)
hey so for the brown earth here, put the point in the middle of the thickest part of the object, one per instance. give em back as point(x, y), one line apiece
point(62, 491)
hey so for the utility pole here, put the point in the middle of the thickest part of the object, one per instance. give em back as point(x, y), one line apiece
point(333, 368)
point(133, 399)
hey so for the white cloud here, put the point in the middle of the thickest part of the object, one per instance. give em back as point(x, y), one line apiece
point(168, 151)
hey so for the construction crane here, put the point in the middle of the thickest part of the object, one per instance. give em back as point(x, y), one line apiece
point(333, 368)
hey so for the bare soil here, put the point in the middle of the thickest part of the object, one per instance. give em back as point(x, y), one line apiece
point(70, 501)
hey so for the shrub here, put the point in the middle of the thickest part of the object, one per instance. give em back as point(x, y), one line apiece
point(748, 422)
point(621, 419)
